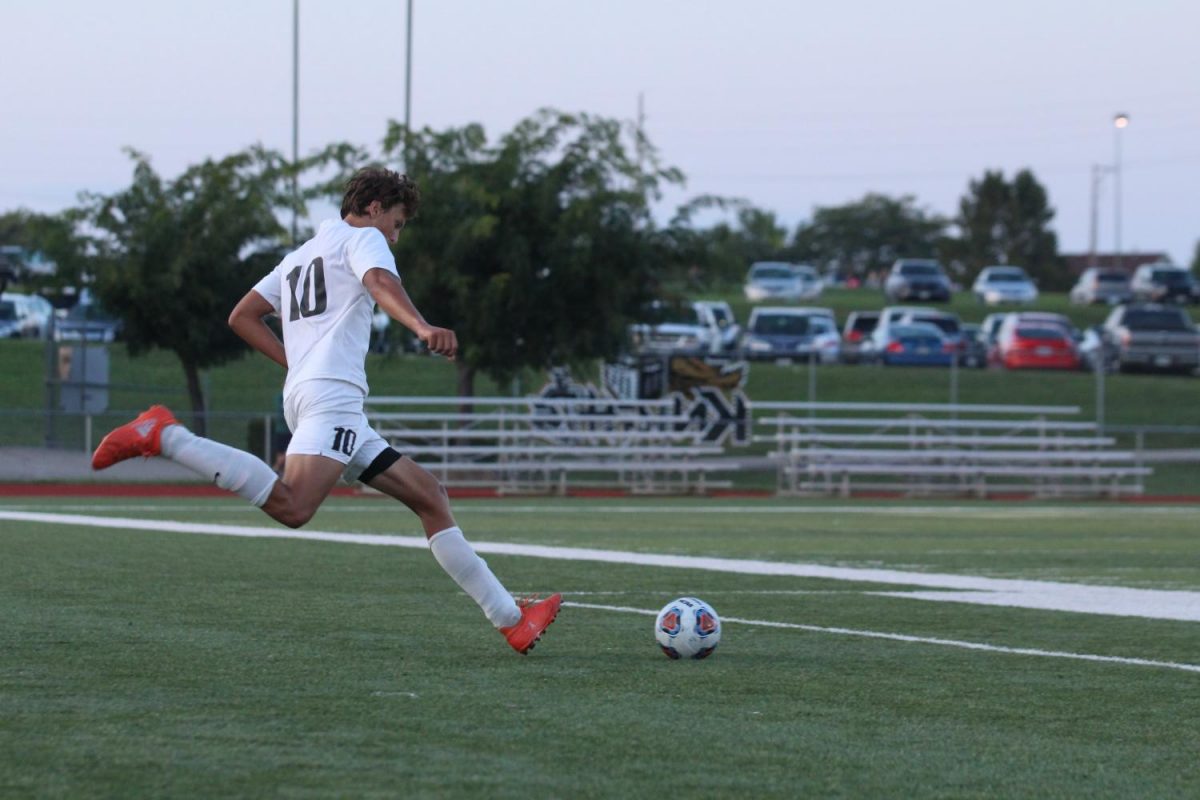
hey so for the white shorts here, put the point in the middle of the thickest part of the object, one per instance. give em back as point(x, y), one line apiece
point(326, 418)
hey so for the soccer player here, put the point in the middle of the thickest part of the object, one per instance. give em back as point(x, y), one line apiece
point(324, 294)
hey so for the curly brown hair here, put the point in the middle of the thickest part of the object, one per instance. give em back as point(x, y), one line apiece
point(377, 183)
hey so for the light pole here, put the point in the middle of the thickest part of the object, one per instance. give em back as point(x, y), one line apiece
point(1098, 171)
point(295, 113)
point(1120, 121)
point(408, 84)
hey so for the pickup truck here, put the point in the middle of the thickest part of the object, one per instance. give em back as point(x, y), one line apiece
point(1150, 337)
point(700, 327)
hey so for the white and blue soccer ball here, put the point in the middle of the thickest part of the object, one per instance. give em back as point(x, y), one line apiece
point(687, 628)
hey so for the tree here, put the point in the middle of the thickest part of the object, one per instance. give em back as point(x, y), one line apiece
point(53, 238)
point(539, 249)
point(1003, 222)
point(1196, 260)
point(719, 255)
point(867, 235)
point(172, 258)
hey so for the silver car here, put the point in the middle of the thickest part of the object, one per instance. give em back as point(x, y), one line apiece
point(778, 280)
point(999, 285)
point(1097, 285)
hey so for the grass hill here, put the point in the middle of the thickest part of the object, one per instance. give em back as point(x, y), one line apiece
point(250, 386)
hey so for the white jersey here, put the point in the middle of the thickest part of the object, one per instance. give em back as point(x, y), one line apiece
point(318, 293)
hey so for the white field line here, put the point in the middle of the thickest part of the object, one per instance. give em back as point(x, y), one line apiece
point(980, 511)
point(1042, 595)
point(901, 637)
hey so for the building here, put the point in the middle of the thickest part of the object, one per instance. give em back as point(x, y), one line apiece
point(1078, 262)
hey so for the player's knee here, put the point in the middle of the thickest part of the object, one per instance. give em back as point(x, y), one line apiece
point(436, 497)
point(431, 499)
point(294, 515)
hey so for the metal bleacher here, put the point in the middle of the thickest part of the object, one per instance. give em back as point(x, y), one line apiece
point(928, 449)
point(554, 445)
point(550, 445)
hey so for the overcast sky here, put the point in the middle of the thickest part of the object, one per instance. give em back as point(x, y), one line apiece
point(787, 104)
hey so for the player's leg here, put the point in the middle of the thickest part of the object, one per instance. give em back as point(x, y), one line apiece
point(400, 477)
point(325, 417)
point(307, 480)
point(321, 447)
point(156, 432)
point(412, 485)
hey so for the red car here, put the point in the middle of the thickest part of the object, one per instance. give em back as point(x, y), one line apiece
point(1023, 344)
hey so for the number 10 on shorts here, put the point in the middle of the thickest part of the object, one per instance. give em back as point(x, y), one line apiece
point(343, 440)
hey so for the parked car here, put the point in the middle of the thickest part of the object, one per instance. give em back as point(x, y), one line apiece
point(973, 349)
point(779, 332)
point(945, 321)
point(891, 316)
point(1096, 285)
point(87, 321)
point(718, 316)
point(916, 279)
point(811, 282)
point(777, 280)
point(917, 344)
point(999, 285)
point(1145, 336)
point(856, 335)
point(699, 327)
point(991, 325)
point(24, 316)
point(10, 323)
point(1025, 342)
point(1164, 283)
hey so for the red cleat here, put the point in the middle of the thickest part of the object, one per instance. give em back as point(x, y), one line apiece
point(142, 437)
point(535, 618)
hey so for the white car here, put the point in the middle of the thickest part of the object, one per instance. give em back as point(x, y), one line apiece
point(25, 316)
point(697, 328)
point(778, 280)
point(718, 316)
point(1003, 284)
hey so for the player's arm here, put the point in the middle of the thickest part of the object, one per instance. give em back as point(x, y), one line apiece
point(387, 290)
point(247, 321)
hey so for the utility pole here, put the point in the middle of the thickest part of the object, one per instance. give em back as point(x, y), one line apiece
point(1119, 123)
point(641, 130)
point(295, 114)
point(408, 83)
point(1098, 171)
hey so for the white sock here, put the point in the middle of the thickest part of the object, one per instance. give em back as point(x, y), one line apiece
point(471, 572)
point(231, 469)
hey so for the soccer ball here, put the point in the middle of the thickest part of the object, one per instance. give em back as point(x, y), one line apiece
point(687, 628)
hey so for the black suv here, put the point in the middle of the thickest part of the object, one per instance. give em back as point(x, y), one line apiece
point(916, 279)
point(1164, 283)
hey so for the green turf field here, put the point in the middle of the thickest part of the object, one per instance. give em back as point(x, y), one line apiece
point(137, 662)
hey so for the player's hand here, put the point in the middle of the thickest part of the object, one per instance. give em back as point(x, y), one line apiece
point(440, 341)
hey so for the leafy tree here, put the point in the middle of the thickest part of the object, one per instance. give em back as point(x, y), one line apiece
point(867, 235)
point(54, 237)
point(1196, 260)
point(538, 249)
point(719, 255)
point(172, 257)
point(1002, 222)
